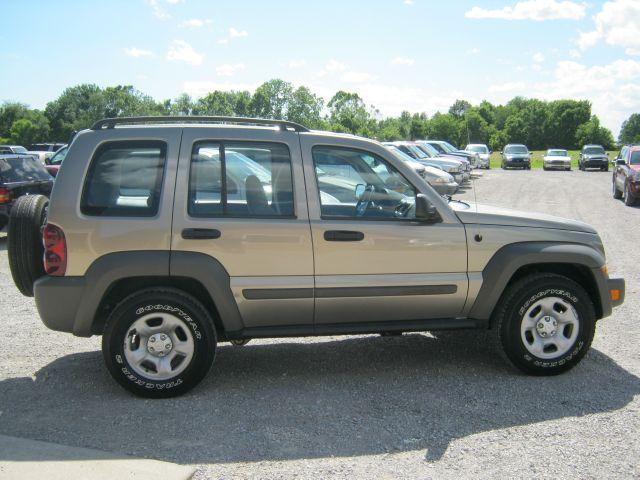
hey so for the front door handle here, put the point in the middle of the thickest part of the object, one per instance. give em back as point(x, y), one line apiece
point(201, 233)
point(343, 236)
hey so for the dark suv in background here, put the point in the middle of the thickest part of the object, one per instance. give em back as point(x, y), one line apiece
point(516, 155)
point(593, 156)
point(626, 175)
point(20, 175)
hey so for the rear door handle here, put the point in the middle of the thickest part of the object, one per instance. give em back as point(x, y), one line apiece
point(201, 233)
point(343, 236)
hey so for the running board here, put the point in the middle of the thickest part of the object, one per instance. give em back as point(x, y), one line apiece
point(357, 328)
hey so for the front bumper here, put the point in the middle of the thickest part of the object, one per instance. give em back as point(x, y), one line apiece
point(616, 287)
point(556, 164)
point(517, 163)
point(595, 162)
point(445, 188)
point(458, 177)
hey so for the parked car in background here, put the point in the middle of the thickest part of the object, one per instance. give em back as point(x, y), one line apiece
point(484, 154)
point(441, 181)
point(516, 156)
point(434, 154)
point(593, 156)
point(20, 175)
point(15, 150)
point(44, 151)
point(54, 163)
point(556, 158)
point(445, 148)
point(453, 167)
point(626, 175)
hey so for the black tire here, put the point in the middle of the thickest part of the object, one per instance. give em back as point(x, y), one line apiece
point(544, 168)
point(617, 194)
point(183, 307)
point(628, 197)
point(513, 306)
point(24, 241)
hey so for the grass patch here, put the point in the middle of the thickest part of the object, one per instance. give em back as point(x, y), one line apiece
point(536, 160)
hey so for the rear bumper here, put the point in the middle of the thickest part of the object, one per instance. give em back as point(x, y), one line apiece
point(58, 300)
point(556, 164)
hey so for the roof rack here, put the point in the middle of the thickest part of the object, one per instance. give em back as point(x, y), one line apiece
point(108, 123)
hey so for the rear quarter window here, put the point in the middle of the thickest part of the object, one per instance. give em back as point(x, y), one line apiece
point(125, 179)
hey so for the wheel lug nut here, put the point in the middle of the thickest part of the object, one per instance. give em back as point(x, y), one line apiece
point(152, 339)
point(163, 337)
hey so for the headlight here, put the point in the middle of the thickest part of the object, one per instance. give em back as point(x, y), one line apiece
point(439, 180)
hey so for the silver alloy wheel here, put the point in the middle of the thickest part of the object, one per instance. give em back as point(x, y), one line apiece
point(159, 346)
point(550, 327)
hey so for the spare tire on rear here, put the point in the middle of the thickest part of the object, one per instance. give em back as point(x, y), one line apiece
point(24, 241)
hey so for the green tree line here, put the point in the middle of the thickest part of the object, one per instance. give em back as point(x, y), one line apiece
point(538, 124)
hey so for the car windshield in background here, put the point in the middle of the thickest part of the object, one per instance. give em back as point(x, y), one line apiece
point(516, 149)
point(433, 152)
point(478, 149)
point(59, 156)
point(419, 153)
point(557, 153)
point(22, 169)
point(399, 153)
point(19, 150)
point(448, 147)
point(594, 151)
point(635, 158)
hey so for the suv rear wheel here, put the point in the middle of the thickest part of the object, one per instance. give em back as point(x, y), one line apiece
point(159, 342)
point(617, 194)
point(628, 197)
point(545, 324)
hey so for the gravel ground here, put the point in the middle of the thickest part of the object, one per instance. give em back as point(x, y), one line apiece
point(417, 406)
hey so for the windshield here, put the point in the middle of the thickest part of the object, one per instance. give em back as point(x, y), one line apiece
point(593, 151)
point(516, 149)
point(448, 147)
point(22, 169)
point(557, 153)
point(477, 148)
point(635, 158)
point(400, 154)
point(429, 149)
point(59, 156)
point(19, 150)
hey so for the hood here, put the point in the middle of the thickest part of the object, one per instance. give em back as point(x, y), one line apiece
point(490, 215)
point(434, 173)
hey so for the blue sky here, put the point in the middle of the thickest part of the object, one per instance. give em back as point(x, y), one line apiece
point(416, 55)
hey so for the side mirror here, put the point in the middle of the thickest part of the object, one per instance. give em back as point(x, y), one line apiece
point(360, 189)
point(425, 211)
point(620, 162)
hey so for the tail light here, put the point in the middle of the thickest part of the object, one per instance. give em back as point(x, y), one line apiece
point(55, 251)
point(5, 195)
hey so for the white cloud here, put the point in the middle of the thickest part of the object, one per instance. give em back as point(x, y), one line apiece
point(157, 10)
point(174, 2)
point(228, 70)
point(357, 77)
point(408, 2)
point(613, 89)
point(408, 62)
point(297, 63)
point(618, 24)
point(537, 10)
point(473, 51)
point(538, 57)
point(136, 52)
point(233, 33)
point(199, 89)
point(574, 53)
point(195, 23)
point(335, 66)
point(181, 51)
point(507, 87)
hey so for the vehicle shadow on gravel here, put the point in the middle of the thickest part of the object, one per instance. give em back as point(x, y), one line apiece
point(286, 400)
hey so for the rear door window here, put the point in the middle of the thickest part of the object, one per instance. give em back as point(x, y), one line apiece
point(125, 179)
point(240, 179)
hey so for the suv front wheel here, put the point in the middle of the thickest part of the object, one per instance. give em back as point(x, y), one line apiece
point(545, 324)
point(159, 342)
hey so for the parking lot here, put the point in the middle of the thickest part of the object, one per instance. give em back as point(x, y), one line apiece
point(420, 405)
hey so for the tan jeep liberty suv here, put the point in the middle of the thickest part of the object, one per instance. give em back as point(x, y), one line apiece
point(167, 235)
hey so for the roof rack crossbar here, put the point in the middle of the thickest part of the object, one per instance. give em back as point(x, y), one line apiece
point(108, 123)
